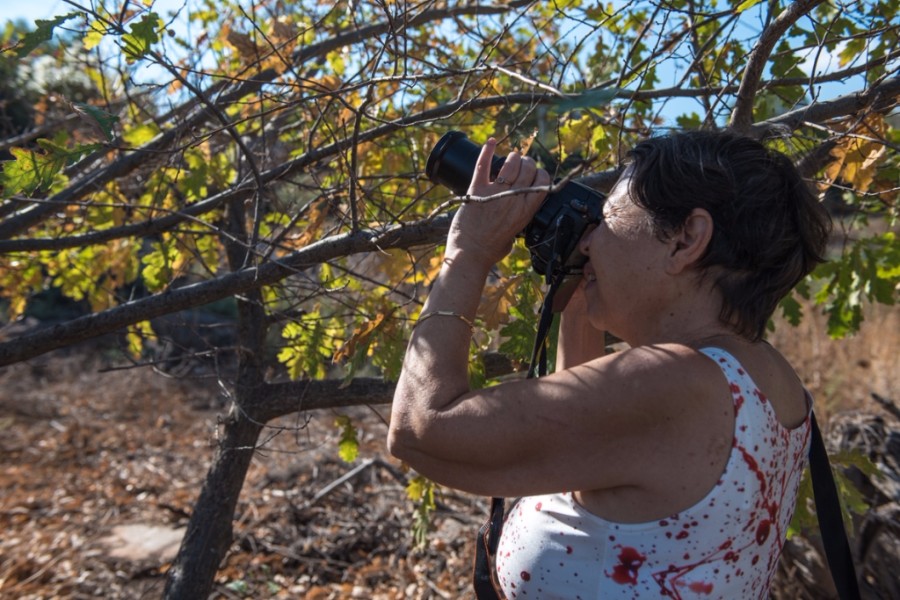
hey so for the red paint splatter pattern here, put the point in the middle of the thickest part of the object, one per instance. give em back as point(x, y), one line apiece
point(726, 546)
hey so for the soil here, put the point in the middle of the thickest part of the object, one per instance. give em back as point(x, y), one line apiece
point(100, 471)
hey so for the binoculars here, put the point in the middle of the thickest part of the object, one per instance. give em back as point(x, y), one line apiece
point(553, 234)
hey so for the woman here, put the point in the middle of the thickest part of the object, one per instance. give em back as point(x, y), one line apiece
point(670, 468)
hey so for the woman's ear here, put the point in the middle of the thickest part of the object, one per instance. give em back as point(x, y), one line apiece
point(688, 245)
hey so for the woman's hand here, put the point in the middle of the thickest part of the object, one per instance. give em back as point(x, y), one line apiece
point(487, 228)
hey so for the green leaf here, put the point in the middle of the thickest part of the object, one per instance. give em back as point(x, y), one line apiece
point(804, 519)
point(691, 121)
point(143, 34)
point(100, 119)
point(587, 99)
point(157, 266)
point(33, 170)
point(791, 309)
point(43, 32)
point(421, 491)
point(868, 270)
point(348, 447)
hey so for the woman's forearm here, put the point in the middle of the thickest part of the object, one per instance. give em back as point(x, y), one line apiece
point(435, 374)
point(435, 368)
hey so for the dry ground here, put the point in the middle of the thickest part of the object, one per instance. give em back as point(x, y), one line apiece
point(84, 452)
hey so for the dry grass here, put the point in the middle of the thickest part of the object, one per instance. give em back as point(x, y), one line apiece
point(842, 374)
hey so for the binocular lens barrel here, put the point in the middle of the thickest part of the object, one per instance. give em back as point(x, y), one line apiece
point(452, 162)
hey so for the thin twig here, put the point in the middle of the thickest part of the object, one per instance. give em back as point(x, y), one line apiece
point(888, 404)
point(340, 480)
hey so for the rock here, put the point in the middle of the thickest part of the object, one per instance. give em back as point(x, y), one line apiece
point(141, 542)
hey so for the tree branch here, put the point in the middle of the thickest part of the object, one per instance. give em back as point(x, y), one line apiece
point(880, 98)
point(280, 399)
point(174, 300)
point(742, 115)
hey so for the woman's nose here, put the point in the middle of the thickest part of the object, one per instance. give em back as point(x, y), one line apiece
point(585, 242)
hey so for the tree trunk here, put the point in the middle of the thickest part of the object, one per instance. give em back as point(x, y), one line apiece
point(209, 532)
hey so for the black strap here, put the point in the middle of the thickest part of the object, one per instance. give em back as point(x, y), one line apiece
point(831, 523)
point(485, 549)
point(484, 581)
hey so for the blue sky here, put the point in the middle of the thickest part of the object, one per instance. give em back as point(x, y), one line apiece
point(44, 9)
point(31, 9)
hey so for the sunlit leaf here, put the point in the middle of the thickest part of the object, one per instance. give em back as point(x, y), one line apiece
point(746, 4)
point(94, 35)
point(348, 447)
point(142, 36)
point(43, 32)
point(36, 169)
point(421, 491)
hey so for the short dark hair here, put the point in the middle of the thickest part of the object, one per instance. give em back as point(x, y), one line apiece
point(769, 230)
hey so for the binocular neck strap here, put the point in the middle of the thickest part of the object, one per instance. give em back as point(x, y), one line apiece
point(538, 366)
point(831, 521)
point(484, 581)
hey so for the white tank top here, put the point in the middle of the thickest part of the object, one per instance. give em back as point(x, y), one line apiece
point(725, 546)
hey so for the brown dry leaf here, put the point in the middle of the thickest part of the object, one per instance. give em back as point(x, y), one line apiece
point(283, 37)
point(857, 156)
point(496, 301)
point(318, 212)
point(243, 43)
point(329, 82)
point(359, 335)
point(525, 144)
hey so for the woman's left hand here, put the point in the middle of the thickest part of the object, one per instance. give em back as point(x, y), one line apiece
point(488, 227)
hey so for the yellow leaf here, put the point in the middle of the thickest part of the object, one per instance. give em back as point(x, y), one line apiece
point(576, 134)
point(140, 135)
point(747, 4)
point(94, 36)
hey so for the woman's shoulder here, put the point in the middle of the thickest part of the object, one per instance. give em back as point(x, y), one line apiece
point(664, 363)
point(668, 378)
point(774, 377)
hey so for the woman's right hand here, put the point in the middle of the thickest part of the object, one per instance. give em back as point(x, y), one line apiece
point(487, 227)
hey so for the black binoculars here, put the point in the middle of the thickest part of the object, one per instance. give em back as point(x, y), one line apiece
point(553, 234)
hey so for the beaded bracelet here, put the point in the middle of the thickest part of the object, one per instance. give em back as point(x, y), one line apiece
point(445, 313)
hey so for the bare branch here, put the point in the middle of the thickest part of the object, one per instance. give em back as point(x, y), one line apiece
point(880, 98)
point(742, 116)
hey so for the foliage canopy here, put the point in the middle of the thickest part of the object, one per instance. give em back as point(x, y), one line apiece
point(296, 136)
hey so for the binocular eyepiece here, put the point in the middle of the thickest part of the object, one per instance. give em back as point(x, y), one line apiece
point(553, 234)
